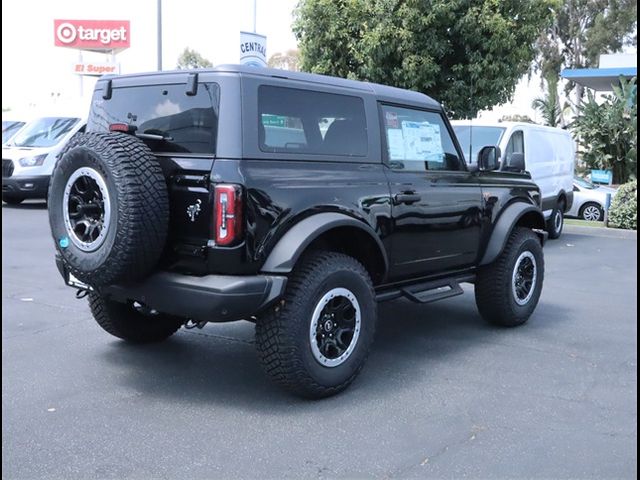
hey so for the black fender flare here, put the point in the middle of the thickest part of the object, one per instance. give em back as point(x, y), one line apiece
point(505, 224)
point(290, 247)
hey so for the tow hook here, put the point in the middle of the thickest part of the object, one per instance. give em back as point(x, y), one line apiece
point(189, 324)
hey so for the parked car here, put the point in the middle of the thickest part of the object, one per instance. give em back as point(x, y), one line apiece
point(10, 128)
point(219, 195)
point(547, 153)
point(589, 200)
point(29, 157)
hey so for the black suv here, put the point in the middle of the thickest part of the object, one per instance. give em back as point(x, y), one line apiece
point(291, 200)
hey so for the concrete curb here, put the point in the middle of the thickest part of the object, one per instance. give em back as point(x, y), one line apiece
point(601, 232)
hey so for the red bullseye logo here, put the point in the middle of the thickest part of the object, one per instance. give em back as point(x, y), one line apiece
point(66, 32)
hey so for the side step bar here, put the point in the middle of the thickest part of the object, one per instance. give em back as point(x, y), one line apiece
point(427, 292)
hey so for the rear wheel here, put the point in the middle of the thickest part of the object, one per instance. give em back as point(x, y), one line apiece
point(507, 291)
point(555, 224)
point(132, 322)
point(316, 341)
point(591, 212)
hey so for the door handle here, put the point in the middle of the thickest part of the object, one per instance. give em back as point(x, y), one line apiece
point(407, 197)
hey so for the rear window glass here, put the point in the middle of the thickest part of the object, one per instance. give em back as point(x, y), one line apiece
point(316, 123)
point(188, 123)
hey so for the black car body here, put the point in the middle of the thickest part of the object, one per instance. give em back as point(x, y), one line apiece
point(263, 166)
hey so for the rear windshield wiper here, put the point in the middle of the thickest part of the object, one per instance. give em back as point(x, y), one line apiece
point(154, 134)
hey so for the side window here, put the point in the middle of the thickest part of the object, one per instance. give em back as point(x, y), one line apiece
point(418, 140)
point(314, 123)
point(515, 145)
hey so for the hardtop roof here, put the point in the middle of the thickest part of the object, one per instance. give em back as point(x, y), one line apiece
point(382, 91)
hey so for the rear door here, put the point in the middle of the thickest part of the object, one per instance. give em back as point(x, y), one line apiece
point(436, 201)
point(180, 127)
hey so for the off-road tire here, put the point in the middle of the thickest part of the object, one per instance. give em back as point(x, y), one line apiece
point(493, 289)
point(139, 204)
point(122, 320)
point(282, 334)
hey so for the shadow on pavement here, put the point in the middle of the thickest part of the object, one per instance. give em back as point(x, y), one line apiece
point(203, 366)
point(27, 205)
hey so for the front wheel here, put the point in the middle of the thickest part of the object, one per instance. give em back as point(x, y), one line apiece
point(555, 224)
point(507, 291)
point(591, 212)
point(131, 322)
point(316, 341)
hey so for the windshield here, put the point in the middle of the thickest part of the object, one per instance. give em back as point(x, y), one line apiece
point(44, 132)
point(581, 182)
point(9, 129)
point(479, 136)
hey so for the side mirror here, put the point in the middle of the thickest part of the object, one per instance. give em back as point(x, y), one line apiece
point(517, 162)
point(489, 158)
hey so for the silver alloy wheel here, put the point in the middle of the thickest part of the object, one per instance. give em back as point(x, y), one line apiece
point(335, 327)
point(591, 213)
point(86, 209)
point(523, 279)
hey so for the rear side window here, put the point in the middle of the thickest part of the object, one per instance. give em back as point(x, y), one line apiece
point(314, 123)
point(188, 123)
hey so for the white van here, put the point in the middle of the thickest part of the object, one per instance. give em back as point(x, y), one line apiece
point(29, 157)
point(549, 155)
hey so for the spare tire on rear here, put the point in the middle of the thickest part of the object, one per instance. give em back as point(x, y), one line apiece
point(108, 208)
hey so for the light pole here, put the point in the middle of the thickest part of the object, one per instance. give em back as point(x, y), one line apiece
point(159, 35)
point(254, 16)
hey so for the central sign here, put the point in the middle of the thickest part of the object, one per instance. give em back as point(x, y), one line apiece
point(97, 35)
point(253, 49)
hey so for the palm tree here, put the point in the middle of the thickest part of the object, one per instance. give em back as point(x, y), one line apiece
point(549, 105)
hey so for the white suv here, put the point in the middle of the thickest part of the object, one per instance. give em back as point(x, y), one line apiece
point(28, 159)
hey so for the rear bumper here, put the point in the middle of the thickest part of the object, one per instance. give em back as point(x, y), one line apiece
point(26, 186)
point(212, 298)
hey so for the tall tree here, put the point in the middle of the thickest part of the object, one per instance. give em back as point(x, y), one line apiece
point(549, 106)
point(189, 59)
point(290, 60)
point(581, 31)
point(469, 54)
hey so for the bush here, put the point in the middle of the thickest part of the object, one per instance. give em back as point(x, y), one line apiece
point(624, 207)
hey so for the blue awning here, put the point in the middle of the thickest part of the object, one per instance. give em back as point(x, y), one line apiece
point(600, 79)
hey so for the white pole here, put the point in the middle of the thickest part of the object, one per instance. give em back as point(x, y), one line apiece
point(254, 16)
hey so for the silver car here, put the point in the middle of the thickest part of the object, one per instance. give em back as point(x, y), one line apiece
point(589, 200)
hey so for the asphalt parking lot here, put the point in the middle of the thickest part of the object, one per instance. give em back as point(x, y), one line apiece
point(443, 395)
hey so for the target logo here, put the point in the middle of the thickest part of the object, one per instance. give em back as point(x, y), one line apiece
point(66, 33)
point(101, 35)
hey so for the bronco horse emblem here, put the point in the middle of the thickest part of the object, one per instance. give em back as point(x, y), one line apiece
point(194, 210)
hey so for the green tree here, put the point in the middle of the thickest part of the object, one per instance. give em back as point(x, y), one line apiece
point(607, 131)
point(581, 31)
point(190, 59)
point(290, 60)
point(469, 54)
point(549, 105)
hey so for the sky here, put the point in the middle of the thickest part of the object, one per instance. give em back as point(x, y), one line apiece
point(36, 75)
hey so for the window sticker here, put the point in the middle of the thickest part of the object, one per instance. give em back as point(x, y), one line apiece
point(422, 141)
point(395, 140)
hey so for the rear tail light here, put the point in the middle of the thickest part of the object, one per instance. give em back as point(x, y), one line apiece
point(228, 214)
